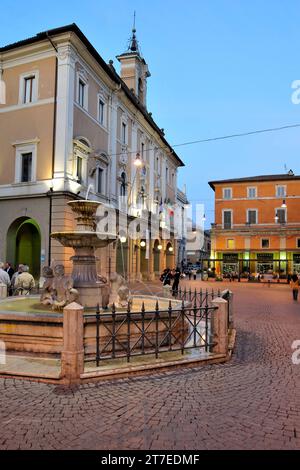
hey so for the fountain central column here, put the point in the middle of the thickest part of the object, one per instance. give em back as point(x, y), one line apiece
point(84, 240)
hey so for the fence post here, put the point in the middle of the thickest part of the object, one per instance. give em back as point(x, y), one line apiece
point(219, 326)
point(72, 357)
point(3, 291)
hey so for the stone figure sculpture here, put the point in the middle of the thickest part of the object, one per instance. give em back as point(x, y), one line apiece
point(58, 290)
point(119, 291)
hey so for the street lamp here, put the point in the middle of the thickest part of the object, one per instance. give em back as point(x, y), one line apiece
point(276, 218)
point(283, 205)
point(143, 244)
point(138, 161)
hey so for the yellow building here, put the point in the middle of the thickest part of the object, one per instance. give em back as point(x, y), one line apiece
point(70, 122)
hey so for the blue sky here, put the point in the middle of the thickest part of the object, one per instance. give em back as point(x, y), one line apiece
point(218, 67)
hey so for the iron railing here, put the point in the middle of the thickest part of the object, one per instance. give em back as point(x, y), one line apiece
point(201, 297)
point(130, 334)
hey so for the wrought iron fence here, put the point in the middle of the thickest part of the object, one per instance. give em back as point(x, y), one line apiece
point(201, 297)
point(130, 334)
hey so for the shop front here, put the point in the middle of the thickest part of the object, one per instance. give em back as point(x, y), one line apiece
point(296, 262)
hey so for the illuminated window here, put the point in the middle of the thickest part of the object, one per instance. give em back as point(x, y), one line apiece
point(230, 243)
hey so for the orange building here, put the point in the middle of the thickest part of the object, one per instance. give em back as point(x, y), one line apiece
point(257, 225)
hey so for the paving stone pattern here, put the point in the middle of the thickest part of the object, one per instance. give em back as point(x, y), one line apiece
point(252, 402)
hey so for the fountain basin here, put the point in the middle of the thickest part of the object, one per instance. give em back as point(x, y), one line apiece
point(84, 239)
point(29, 327)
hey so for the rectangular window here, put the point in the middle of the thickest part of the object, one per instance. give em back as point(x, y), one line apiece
point(281, 214)
point(280, 191)
point(79, 169)
point(124, 133)
point(230, 243)
point(29, 83)
point(142, 150)
point(100, 181)
point(81, 93)
point(265, 243)
point(227, 219)
point(252, 192)
point(252, 216)
point(227, 193)
point(101, 112)
point(26, 168)
point(298, 242)
point(167, 175)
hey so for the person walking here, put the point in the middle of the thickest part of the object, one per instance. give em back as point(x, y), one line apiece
point(176, 276)
point(4, 281)
point(294, 283)
point(25, 281)
point(194, 273)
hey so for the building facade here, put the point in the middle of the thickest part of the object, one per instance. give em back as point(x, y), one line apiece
point(257, 225)
point(71, 127)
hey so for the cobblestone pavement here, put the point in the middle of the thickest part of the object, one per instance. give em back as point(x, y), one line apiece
point(251, 402)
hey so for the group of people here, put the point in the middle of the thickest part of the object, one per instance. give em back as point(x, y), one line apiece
point(171, 276)
point(19, 282)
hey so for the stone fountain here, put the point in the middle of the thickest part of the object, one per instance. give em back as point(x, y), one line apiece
point(91, 287)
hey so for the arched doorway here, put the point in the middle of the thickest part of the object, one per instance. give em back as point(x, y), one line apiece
point(24, 244)
point(170, 256)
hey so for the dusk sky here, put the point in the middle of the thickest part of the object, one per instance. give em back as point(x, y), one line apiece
point(218, 67)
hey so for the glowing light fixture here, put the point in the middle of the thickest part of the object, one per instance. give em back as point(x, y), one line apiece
point(123, 239)
point(138, 162)
point(171, 249)
point(143, 244)
point(283, 205)
point(159, 247)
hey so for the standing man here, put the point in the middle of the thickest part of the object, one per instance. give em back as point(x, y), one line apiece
point(176, 277)
point(8, 268)
point(4, 281)
point(24, 282)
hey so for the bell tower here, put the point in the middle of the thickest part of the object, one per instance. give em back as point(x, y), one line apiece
point(134, 70)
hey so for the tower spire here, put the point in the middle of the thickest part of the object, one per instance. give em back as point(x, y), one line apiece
point(133, 42)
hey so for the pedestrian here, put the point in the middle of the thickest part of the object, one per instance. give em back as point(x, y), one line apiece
point(176, 274)
point(14, 278)
point(4, 281)
point(190, 274)
point(166, 277)
point(194, 273)
point(9, 269)
point(25, 281)
point(294, 283)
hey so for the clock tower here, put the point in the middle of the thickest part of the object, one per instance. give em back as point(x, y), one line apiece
point(134, 70)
